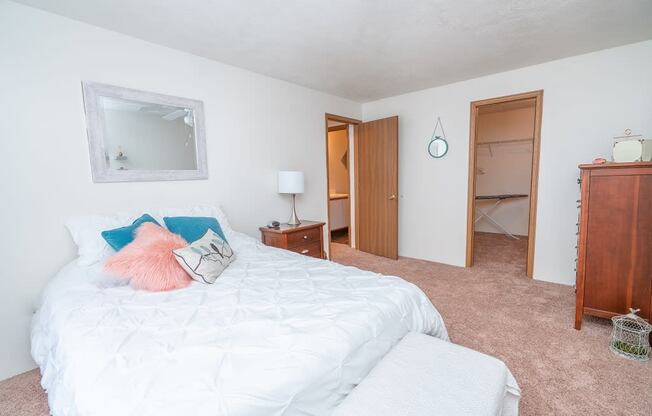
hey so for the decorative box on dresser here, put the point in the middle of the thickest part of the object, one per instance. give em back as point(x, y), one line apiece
point(305, 238)
point(614, 260)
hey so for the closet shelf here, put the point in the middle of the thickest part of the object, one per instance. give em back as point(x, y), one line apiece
point(506, 141)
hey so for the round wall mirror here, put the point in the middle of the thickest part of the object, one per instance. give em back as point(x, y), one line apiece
point(438, 147)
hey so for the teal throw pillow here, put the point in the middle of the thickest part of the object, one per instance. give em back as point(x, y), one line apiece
point(120, 237)
point(193, 228)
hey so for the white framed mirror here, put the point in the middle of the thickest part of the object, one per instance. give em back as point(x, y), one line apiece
point(138, 136)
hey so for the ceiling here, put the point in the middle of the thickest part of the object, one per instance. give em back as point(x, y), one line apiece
point(369, 49)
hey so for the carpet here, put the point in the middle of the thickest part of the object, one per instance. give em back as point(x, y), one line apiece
point(494, 308)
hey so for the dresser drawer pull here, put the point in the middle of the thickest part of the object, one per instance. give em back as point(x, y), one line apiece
point(305, 237)
point(306, 251)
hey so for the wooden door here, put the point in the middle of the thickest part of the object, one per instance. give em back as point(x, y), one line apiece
point(376, 150)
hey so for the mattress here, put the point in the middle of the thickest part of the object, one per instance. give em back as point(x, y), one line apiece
point(277, 334)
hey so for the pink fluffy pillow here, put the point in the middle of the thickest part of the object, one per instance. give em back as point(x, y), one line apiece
point(148, 261)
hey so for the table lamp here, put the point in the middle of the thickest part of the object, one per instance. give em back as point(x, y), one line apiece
point(291, 182)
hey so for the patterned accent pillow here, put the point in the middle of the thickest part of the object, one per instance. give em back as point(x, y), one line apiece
point(205, 259)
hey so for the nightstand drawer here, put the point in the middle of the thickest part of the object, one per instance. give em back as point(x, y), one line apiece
point(312, 235)
point(308, 249)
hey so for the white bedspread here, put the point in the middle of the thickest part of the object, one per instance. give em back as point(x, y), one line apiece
point(278, 333)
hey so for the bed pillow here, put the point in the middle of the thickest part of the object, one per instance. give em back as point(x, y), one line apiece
point(205, 259)
point(149, 262)
point(86, 231)
point(120, 237)
point(193, 228)
point(92, 248)
point(195, 211)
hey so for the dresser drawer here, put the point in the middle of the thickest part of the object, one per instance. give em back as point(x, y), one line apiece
point(311, 235)
point(308, 249)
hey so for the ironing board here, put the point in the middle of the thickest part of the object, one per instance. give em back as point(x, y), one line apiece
point(499, 199)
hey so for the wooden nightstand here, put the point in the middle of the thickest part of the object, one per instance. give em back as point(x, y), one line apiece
point(305, 238)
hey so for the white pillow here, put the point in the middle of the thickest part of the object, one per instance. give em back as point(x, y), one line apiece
point(205, 259)
point(86, 233)
point(92, 248)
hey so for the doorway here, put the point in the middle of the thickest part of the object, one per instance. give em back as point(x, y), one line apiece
point(340, 181)
point(365, 153)
point(505, 135)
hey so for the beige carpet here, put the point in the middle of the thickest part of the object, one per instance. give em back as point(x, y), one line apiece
point(495, 309)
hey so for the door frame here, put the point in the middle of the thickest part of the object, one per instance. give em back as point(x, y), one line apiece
point(354, 122)
point(534, 180)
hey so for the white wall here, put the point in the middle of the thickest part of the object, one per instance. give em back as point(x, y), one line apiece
point(504, 168)
point(45, 168)
point(587, 100)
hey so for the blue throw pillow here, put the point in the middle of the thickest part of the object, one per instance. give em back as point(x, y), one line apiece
point(193, 228)
point(120, 237)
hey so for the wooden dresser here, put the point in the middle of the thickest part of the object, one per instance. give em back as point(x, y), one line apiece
point(305, 238)
point(614, 259)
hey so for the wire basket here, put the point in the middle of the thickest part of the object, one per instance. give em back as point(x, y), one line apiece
point(630, 337)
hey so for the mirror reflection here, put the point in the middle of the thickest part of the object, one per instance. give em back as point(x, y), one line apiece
point(147, 136)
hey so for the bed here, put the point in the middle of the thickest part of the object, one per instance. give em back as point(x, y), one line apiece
point(277, 334)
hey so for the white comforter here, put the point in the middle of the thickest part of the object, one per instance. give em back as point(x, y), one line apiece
point(277, 334)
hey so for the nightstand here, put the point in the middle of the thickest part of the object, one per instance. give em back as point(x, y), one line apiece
point(305, 238)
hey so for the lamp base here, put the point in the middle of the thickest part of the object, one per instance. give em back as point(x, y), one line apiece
point(294, 220)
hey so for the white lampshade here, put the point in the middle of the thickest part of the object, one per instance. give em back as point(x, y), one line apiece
point(290, 182)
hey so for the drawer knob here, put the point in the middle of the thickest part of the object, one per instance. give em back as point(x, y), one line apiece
point(305, 251)
point(305, 237)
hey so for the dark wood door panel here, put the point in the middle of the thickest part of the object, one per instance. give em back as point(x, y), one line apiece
point(377, 187)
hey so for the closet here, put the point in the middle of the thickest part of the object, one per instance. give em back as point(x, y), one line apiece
point(503, 173)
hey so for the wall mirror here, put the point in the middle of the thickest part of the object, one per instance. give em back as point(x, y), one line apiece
point(142, 136)
point(438, 147)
